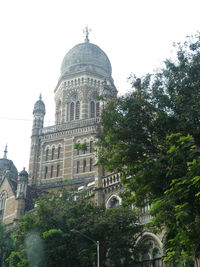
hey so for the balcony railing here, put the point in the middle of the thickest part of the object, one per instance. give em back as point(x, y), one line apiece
point(110, 180)
point(70, 125)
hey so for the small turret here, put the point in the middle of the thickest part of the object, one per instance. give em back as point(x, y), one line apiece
point(38, 113)
point(22, 183)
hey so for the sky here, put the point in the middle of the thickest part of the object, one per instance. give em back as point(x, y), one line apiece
point(137, 35)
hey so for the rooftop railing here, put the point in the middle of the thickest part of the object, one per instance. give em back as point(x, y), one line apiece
point(70, 125)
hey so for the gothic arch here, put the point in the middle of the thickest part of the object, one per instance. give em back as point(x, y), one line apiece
point(154, 250)
point(147, 236)
point(113, 201)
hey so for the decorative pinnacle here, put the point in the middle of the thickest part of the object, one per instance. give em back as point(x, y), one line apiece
point(40, 97)
point(5, 152)
point(86, 31)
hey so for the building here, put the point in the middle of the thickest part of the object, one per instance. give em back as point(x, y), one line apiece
point(63, 155)
point(16, 196)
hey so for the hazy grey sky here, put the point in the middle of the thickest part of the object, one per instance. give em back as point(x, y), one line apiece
point(137, 35)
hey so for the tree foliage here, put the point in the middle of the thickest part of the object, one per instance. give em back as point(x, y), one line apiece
point(152, 137)
point(6, 244)
point(55, 234)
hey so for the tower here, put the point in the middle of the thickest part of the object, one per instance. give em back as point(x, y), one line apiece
point(22, 183)
point(21, 192)
point(64, 153)
point(38, 121)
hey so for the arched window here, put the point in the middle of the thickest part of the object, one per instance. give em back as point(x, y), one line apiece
point(57, 170)
point(114, 201)
point(77, 166)
point(72, 111)
point(47, 154)
point(151, 256)
point(52, 153)
point(46, 172)
point(91, 165)
point(84, 165)
point(97, 109)
point(77, 110)
point(59, 150)
point(91, 146)
point(92, 109)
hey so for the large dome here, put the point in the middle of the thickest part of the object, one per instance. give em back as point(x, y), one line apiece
point(86, 57)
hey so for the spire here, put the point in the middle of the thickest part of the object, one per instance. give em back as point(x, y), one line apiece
point(86, 31)
point(5, 152)
point(40, 97)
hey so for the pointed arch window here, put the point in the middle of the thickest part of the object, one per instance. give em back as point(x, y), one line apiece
point(92, 109)
point(59, 150)
point(72, 111)
point(52, 153)
point(91, 146)
point(77, 110)
point(47, 154)
point(84, 165)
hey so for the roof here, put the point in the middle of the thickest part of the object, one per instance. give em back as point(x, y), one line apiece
point(86, 57)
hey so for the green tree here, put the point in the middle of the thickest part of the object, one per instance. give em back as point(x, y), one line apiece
point(6, 244)
point(136, 140)
point(178, 210)
point(55, 232)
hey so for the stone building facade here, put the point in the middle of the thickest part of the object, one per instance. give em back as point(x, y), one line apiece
point(65, 152)
point(15, 194)
point(63, 155)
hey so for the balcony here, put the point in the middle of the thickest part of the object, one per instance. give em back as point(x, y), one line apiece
point(70, 125)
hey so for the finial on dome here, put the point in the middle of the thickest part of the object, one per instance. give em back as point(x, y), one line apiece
point(5, 152)
point(40, 97)
point(86, 31)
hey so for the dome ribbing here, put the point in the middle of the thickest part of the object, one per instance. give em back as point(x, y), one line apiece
point(86, 57)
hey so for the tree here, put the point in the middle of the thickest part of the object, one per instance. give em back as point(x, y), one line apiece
point(136, 139)
point(55, 230)
point(178, 210)
point(5, 243)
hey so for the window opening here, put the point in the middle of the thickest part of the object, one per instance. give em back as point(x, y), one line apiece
point(97, 109)
point(77, 166)
point(77, 110)
point(84, 165)
point(58, 170)
point(91, 165)
point(72, 111)
point(59, 149)
point(91, 146)
point(92, 109)
point(47, 154)
point(46, 172)
point(51, 171)
point(52, 153)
